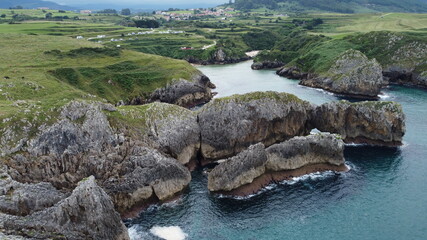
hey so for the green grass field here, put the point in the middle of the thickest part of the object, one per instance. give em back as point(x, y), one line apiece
point(344, 24)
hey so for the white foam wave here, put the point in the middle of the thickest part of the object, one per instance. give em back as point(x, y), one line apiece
point(292, 181)
point(384, 96)
point(311, 176)
point(136, 234)
point(323, 91)
point(262, 190)
point(168, 233)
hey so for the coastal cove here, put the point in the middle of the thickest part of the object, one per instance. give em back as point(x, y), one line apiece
point(381, 197)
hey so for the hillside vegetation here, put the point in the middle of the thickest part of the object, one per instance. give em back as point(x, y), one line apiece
point(342, 6)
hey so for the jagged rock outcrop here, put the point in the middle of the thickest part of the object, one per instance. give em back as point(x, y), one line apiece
point(378, 123)
point(146, 175)
point(230, 125)
point(87, 213)
point(82, 143)
point(175, 129)
point(23, 199)
point(352, 74)
point(81, 127)
point(267, 65)
point(74, 147)
point(321, 148)
point(292, 73)
point(404, 76)
point(239, 170)
point(185, 93)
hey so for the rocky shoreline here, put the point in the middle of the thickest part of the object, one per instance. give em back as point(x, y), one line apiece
point(354, 75)
point(98, 158)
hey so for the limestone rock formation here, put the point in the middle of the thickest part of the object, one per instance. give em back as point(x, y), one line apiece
point(239, 170)
point(82, 143)
point(147, 174)
point(378, 123)
point(23, 199)
point(256, 167)
point(230, 125)
point(87, 213)
point(292, 73)
point(185, 93)
point(267, 65)
point(175, 129)
point(322, 148)
point(352, 74)
point(405, 76)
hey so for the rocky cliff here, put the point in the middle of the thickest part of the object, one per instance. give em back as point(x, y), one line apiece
point(256, 167)
point(378, 123)
point(267, 65)
point(321, 148)
point(230, 125)
point(400, 56)
point(141, 154)
point(87, 213)
point(185, 93)
point(239, 170)
point(352, 74)
point(292, 73)
point(83, 143)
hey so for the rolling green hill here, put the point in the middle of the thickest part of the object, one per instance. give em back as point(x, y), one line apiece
point(33, 4)
point(342, 6)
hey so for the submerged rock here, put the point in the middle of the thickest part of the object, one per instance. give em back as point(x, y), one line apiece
point(239, 170)
point(352, 74)
point(322, 148)
point(377, 123)
point(230, 125)
point(87, 213)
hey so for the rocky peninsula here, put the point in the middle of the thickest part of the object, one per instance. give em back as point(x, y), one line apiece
point(94, 157)
point(369, 62)
point(256, 167)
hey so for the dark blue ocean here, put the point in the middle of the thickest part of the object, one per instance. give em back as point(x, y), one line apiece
point(383, 196)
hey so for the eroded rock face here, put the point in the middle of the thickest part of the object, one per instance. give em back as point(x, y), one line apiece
point(87, 213)
point(185, 93)
point(352, 74)
point(256, 167)
point(267, 65)
point(292, 73)
point(377, 123)
point(147, 174)
point(82, 126)
point(23, 199)
point(405, 76)
point(82, 143)
point(322, 148)
point(239, 170)
point(230, 125)
point(174, 129)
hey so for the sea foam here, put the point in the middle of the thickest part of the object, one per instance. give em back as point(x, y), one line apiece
point(168, 233)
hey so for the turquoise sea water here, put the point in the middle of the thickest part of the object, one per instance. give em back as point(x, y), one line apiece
point(383, 196)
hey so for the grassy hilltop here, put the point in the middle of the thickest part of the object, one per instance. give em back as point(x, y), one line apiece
point(40, 72)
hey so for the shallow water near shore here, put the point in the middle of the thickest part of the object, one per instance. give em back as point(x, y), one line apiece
point(383, 196)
